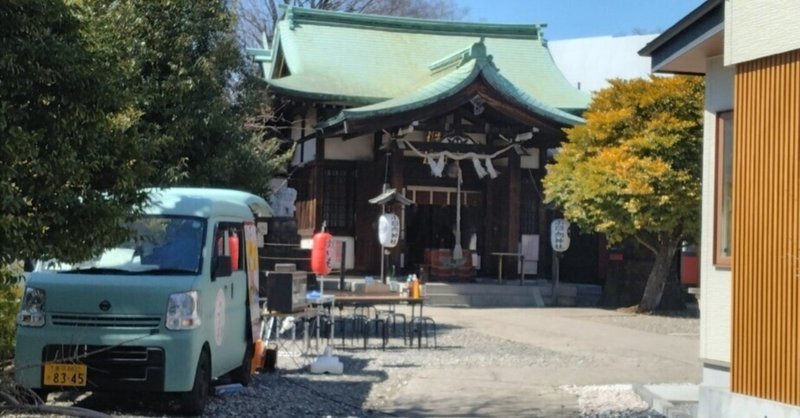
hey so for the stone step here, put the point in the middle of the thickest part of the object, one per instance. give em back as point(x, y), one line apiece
point(566, 290)
point(587, 300)
point(480, 289)
point(539, 293)
point(447, 299)
point(486, 300)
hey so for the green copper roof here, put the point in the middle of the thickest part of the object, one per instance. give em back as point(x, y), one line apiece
point(363, 59)
point(453, 74)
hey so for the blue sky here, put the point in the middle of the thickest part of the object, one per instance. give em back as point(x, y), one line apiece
point(567, 19)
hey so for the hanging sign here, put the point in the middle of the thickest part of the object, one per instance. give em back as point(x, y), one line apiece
point(335, 253)
point(388, 230)
point(251, 250)
point(559, 235)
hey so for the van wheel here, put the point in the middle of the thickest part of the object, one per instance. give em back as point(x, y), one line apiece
point(242, 373)
point(194, 401)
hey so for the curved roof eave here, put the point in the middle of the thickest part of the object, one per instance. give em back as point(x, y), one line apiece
point(429, 94)
point(295, 92)
point(515, 94)
point(458, 80)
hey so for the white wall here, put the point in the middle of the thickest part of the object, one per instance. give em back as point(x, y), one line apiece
point(759, 28)
point(590, 62)
point(354, 149)
point(304, 151)
point(525, 161)
point(715, 283)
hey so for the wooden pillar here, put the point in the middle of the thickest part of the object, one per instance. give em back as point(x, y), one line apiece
point(397, 182)
point(377, 141)
point(493, 227)
point(545, 250)
point(490, 226)
point(512, 216)
point(318, 179)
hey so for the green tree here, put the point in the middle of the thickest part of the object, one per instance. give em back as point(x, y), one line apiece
point(184, 74)
point(634, 169)
point(70, 166)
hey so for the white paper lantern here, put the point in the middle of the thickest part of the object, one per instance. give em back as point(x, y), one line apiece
point(388, 230)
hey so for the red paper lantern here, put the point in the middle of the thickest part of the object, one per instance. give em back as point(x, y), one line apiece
point(319, 253)
point(233, 249)
point(233, 244)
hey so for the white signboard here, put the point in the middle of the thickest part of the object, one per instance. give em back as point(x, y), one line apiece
point(335, 253)
point(559, 235)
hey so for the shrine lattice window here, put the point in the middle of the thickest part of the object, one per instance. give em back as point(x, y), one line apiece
point(338, 206)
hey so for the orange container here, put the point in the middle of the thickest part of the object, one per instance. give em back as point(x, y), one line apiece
point(257, 363)
point(414, 289)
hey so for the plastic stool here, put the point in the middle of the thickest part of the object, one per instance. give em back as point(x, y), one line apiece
point(391, 316)
point(356, 322)
point(384, 331)
point(420, 326)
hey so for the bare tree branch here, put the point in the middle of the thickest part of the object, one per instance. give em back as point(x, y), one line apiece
point(257, 17)
point(646, 244)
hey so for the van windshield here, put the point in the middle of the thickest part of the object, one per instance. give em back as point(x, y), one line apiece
point(160, 245)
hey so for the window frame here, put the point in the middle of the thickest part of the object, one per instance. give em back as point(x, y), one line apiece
point(720, 259)
point(219, 228)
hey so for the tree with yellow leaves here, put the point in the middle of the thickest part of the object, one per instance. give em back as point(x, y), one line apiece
point(634, 169)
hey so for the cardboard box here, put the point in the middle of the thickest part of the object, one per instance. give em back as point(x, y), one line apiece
point(376, 288)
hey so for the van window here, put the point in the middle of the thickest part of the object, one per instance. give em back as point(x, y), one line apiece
point(158, 245)
point(229, 241)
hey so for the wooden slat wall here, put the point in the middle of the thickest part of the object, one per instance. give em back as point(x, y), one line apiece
point(766, 229)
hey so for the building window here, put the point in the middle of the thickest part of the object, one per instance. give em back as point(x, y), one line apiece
point(723, 202)
point(337, 206)
point(528, 207)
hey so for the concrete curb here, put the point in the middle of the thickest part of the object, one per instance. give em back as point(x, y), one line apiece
point(666, 407)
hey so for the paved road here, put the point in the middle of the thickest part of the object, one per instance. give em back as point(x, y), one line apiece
point(604, 347)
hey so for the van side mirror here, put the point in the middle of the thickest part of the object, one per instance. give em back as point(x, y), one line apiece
point(28, 265)
point(222, 266)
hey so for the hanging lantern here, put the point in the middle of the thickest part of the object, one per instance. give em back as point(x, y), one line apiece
point(320, 253)
point(388, 230)
point(233, 243)
point(232, 249)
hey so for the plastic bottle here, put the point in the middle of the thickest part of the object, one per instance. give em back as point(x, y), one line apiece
point(414, 287)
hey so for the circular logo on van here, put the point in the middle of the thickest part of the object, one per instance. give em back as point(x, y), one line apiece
point(105, 305)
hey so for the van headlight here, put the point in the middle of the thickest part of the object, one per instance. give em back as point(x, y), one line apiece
point(31, 313)
point(183, 311)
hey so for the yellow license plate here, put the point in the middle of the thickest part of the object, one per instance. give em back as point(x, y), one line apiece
point(56, 374)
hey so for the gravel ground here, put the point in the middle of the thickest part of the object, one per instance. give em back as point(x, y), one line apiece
point(610, 401)
point(372, 377)
point(658, 324)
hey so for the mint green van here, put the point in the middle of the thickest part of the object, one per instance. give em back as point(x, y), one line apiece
point(170, 310)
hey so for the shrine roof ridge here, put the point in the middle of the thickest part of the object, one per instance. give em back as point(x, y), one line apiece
point(299, 15)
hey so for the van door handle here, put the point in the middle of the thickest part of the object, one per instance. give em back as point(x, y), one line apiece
point(232, 290)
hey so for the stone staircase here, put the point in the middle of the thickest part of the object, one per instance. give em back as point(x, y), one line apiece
point(510, 294)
